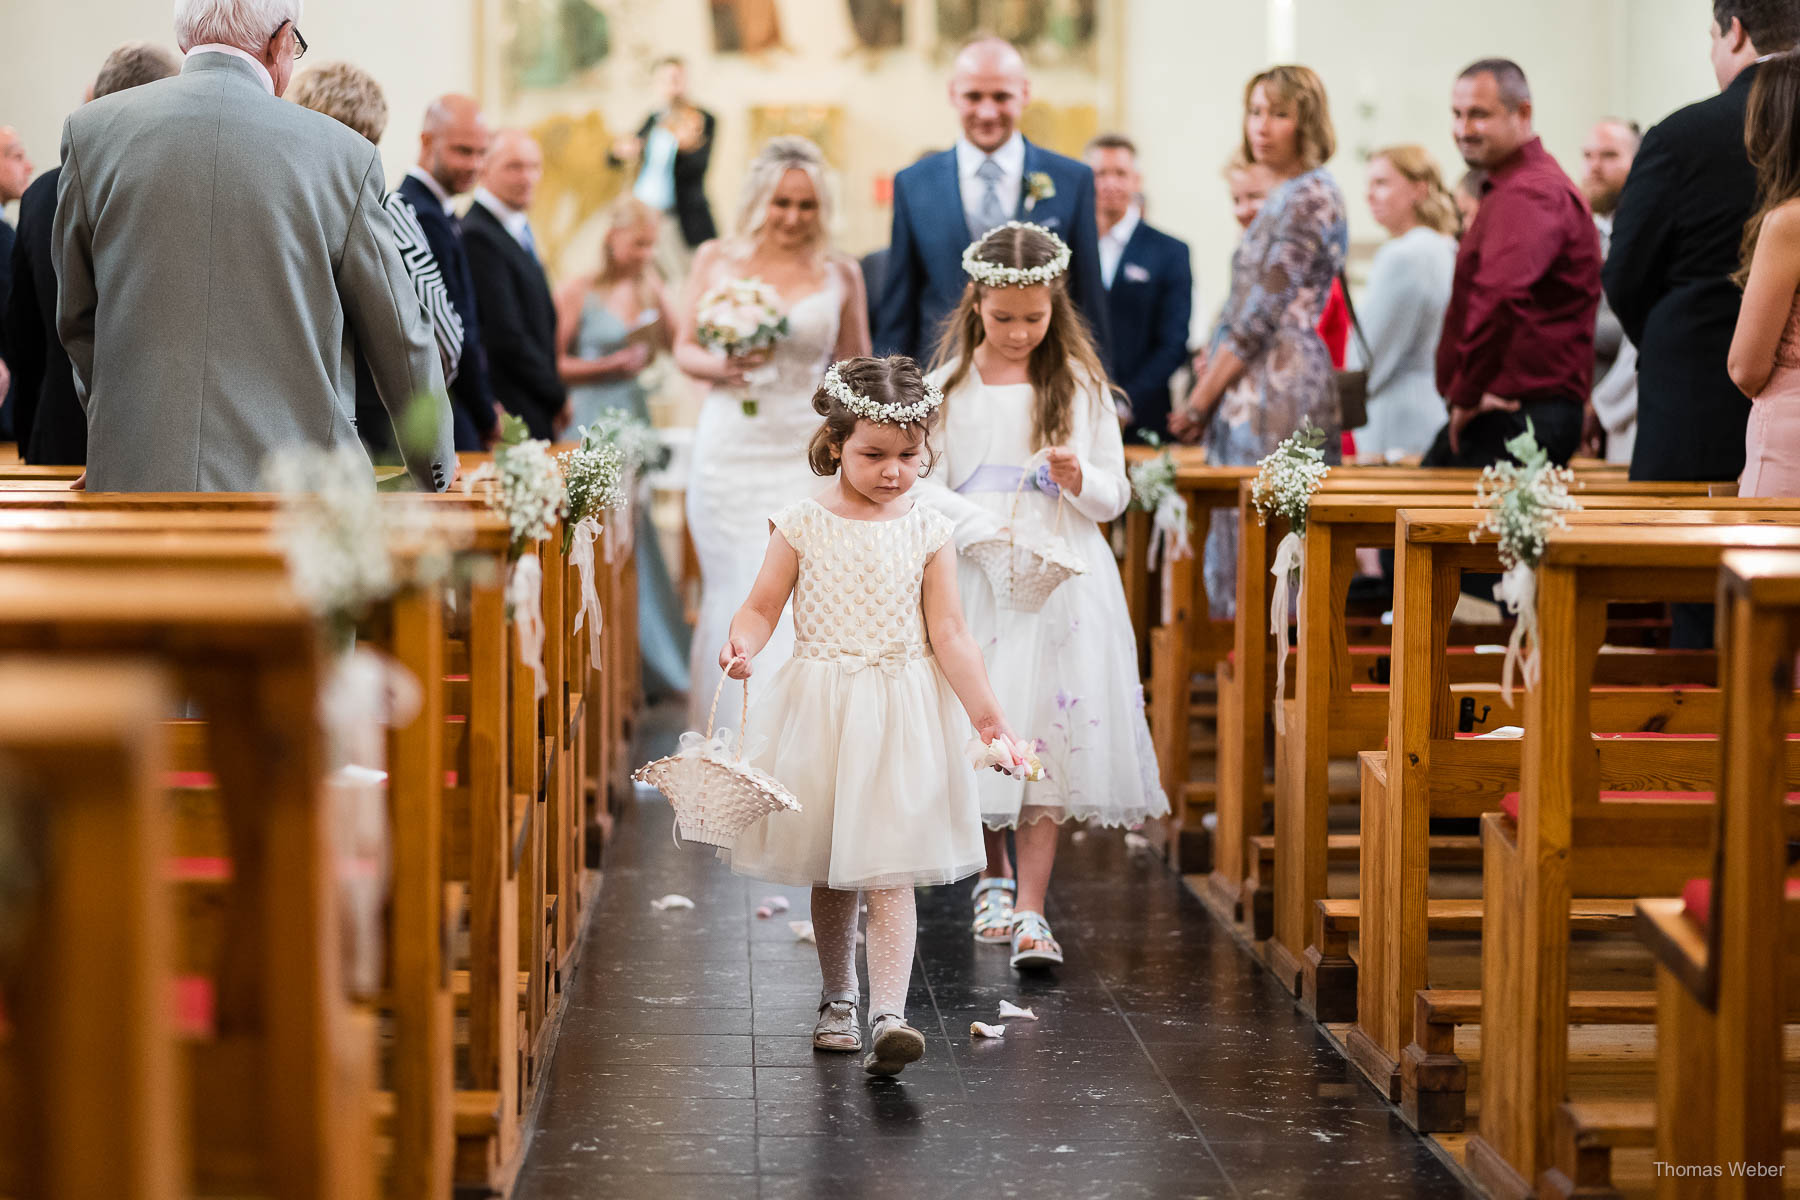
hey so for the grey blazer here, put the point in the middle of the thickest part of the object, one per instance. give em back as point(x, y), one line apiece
point(221, 254)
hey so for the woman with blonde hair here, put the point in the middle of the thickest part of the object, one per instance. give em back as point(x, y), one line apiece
point(747, 466)
point(1402, 308)
point(609, 324)
point(1281, 277)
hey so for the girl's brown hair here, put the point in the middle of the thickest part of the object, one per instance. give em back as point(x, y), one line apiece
point(1301, 87)
point(896, 380)
point(1772, 139)
point(1060, 361)
point(1437, 210)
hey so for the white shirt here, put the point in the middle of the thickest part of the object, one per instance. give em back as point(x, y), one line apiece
point(1010, 157)
point(430, 181)
point(1112, 243)
point(262, 72)
point(655, 184)
point(515, 221)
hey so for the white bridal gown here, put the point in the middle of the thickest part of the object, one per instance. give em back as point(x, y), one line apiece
point(745, 470)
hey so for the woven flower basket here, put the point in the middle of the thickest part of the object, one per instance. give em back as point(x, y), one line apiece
point(1025, 573)
point(715, 793)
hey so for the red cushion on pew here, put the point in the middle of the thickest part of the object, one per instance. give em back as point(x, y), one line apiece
point(1696, 898)
point(193, 1006)
point(194, 780)
point(199, 870)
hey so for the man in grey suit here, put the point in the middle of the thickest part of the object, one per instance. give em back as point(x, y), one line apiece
point(220, 257)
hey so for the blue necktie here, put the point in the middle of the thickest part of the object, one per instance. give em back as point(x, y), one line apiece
point(990, 212)
point(529, 242)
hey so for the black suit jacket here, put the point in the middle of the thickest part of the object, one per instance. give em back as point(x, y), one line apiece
point(691, 208)
point(518, 328)
point(471, 396)
point(1668, 277)
point(8, 405)
point(1149, 307)
point(49, 421)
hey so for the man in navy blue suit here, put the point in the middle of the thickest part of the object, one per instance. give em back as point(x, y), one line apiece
point(991, 176)
point(1149, 288)
point(451, 147)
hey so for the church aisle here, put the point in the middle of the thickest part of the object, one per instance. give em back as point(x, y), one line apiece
point(1163, 1063)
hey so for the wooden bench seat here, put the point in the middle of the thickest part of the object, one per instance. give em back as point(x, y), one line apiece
point(1588, 1131)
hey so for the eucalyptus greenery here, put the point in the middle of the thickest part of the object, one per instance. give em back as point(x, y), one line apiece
point(1525, 498)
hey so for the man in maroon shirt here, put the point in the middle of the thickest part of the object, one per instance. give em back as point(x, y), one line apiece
point(1518, 337)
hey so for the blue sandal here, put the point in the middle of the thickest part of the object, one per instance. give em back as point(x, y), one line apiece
point(994, 911)
point(1044, 952)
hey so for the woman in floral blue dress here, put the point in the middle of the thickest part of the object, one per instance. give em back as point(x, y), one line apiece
point(1281, 277)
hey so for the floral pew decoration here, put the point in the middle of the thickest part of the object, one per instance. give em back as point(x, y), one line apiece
point(1153, 491)
point(1525, 498)
point(525, 486)
point(349, 549)
point(640, 451)
point(1285, 483)
point(594, 474)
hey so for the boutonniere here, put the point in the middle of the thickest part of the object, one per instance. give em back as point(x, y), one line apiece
point(1038, 186)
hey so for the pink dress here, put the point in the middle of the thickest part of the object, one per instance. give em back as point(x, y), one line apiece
point(1772, 439)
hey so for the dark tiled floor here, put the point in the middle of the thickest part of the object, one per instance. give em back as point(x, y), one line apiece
point(1163, 1063)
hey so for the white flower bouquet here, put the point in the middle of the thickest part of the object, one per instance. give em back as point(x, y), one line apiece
point(595, 476)
point(738, 317)
point(1284, 487)
point(524, 485)
point(1153, 491)
point(1525, 498)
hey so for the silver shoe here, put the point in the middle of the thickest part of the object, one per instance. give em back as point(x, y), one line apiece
point(838, 1029)
point(896, 1044)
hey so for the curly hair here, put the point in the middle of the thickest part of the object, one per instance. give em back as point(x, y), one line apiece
point(895, 380)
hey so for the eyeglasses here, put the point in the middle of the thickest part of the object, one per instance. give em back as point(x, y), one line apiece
point(299, 42)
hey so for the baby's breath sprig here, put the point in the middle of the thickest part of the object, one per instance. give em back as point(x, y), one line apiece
point(640, 448)
point(1152, 479)
point(525, 486)
point(1525, 498)
point(595, 475)
point(1288, 477)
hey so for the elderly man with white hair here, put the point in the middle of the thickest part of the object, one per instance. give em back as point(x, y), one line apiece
point(221, 256)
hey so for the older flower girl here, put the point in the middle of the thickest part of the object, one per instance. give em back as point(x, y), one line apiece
point(1023, 387)
point(863, 723)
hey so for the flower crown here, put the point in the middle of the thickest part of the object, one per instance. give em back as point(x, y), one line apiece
point(989, 274)
point(893, 414)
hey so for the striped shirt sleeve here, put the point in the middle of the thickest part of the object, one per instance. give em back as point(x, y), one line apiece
point(428, 282)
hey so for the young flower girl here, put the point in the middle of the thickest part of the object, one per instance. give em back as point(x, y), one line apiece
point(1027, 404)
point(862, 723)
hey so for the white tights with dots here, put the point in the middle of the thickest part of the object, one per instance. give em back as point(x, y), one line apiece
point(893, 930)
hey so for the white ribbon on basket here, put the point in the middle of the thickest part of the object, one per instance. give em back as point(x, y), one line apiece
point(1288, 557)
point(1169, 530)
point(1517, 592)
point(525, 595)
point(581, 557)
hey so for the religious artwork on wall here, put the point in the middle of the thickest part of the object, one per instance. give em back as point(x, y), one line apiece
point(1044, 29)
point(572, 192)
point(1066, 129)
point(550, 43)
point(879, 24)
point(822, 124)
point(745, 26)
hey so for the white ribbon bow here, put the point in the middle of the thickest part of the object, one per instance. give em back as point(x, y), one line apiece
point(1169, 530)
point(581, 556)
point(1517, 591)
point(891, 658)
point(525, 596)
point(722, 744)
point(1288, 557)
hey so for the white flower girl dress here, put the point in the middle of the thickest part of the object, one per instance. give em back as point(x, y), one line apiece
point(860, 723)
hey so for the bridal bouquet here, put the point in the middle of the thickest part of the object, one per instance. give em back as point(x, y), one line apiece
point(1153, 491)
point(1284, 487)
point(1525, 500)
point(739, 317)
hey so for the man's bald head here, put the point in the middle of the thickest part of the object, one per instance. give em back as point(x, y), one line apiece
point(15, 168)
point(453, 142)
point(989, 89)
point(513, 167)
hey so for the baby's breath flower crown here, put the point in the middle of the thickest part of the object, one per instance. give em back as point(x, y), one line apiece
point(993, 275)
point(892, 414)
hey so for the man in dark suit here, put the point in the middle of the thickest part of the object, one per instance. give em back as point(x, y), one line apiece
point(15, 173)
point(1149, 288)
point(1675, 242)
point(1674, 247)
point(451, 146)
point(991, 176)
point(518, 327)
point(47, 418)
point(671, 152)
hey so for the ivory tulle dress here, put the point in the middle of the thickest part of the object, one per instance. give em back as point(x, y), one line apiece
point(860, 723)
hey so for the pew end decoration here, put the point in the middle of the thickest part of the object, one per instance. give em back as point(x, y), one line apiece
point(525, 485)
point(1024, 571)
point(715, 792)
point(1526, 499)
point(1285, 483)
point(594, 474)
point(641, 451)
point(1153, 491)
point(737, 318)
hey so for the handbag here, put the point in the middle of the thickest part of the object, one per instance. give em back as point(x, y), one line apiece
point(1353, 386)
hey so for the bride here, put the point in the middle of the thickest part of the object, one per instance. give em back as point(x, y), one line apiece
point(746, 468)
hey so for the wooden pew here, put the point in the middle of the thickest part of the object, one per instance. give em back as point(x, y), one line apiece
point(1568, 840)
point(91, 1083)
point(1442, 775)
